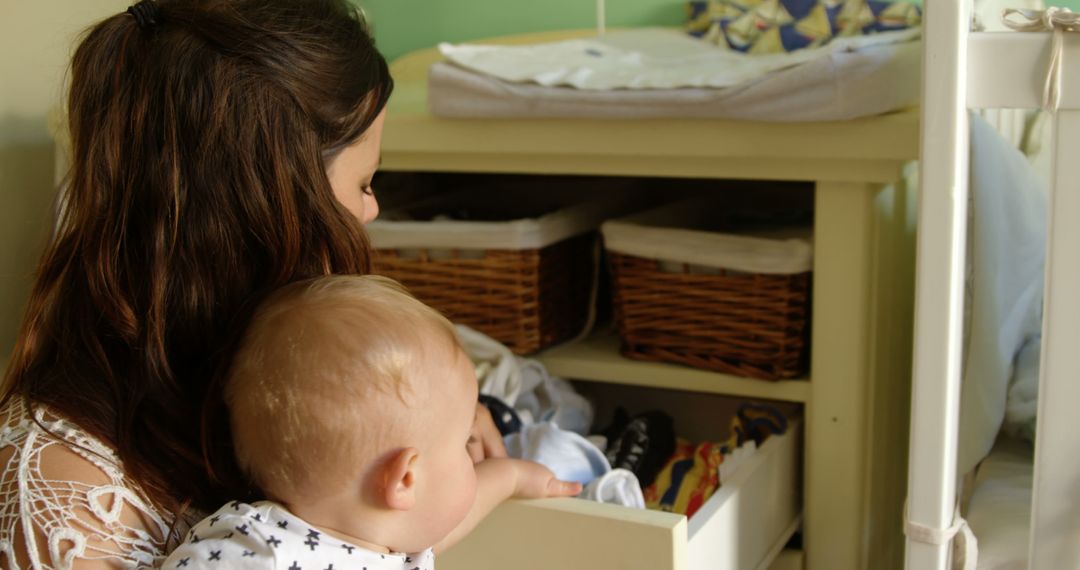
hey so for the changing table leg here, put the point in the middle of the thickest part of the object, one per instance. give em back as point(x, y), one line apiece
point(860, 364)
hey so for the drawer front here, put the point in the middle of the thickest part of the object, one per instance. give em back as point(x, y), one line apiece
point(750, 518)
point(563, 534)
point(788, 560)
point(742, 526)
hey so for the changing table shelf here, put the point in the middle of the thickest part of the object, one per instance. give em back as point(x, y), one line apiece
point(856, 399)
point(597, 359)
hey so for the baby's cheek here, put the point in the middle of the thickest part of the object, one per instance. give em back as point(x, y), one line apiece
point(468, 491)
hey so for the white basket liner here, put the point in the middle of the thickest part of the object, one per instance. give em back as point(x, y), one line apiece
point(649, 235)
point(513, 235)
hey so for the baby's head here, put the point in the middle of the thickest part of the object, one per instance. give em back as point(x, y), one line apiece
point(351, 402)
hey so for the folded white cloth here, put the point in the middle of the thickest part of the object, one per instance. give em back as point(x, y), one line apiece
point(525, 385)
point(569, 455)
point(497, 368)
point(618, 487)
point(545, 397)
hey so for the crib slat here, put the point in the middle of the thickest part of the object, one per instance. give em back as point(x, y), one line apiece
point(1055, 520)
point(939, 279)
point(1007, 70)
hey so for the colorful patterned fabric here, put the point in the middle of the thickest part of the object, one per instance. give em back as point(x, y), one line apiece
point(691, 475)
point(774, 26)
point(758, 422)
point(688, 479)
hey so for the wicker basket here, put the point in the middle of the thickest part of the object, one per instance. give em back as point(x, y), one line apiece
point(524, 299)
point(525, 281)
point(731, 303)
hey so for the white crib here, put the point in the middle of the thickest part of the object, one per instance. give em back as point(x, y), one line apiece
point(977, 70)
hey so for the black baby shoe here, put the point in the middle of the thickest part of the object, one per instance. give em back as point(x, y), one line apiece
point(641, 443)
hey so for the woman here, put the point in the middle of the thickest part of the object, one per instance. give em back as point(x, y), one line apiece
point(221, 149)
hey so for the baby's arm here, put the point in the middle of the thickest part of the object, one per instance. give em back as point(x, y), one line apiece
point(501, 479)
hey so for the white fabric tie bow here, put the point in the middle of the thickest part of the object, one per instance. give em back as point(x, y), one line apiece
point(1053, 19)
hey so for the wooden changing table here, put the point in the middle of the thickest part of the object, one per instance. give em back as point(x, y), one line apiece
point(856, 398)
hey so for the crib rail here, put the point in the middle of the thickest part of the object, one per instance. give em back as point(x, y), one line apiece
point(1055, 516)
point(1008, 70)
point(993, 70)
point(935, 397)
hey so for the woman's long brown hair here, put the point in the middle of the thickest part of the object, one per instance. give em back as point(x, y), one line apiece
point(198, 185)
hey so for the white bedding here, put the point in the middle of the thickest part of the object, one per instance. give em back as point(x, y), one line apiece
point(1000, 509)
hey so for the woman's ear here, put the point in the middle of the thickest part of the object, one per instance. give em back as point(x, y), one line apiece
point(399, 480)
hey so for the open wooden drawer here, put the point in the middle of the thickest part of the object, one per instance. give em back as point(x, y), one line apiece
point(743, 526)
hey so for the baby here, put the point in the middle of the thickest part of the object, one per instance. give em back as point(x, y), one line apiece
point(351, 404)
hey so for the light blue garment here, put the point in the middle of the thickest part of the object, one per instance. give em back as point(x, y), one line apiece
point(570, 456)
point(1007, 237)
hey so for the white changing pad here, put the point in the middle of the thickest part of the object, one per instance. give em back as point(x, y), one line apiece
point(834, 84)
point(642, 58)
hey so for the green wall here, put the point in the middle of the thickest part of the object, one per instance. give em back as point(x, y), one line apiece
point(35, 46)
point(402, 26)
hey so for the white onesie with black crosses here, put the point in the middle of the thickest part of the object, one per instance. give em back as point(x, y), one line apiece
point(264, 536)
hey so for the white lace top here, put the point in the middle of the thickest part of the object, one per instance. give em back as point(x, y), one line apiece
point(48, 521)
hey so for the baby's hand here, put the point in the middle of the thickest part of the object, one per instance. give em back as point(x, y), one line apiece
point(498, 479)
point(534, 481)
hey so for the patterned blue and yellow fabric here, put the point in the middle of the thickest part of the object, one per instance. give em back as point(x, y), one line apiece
point(772, 26)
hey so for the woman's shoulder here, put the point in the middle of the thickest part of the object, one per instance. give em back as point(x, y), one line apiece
point(69, 489)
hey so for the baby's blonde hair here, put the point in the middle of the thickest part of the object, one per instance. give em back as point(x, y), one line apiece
point(313, 382)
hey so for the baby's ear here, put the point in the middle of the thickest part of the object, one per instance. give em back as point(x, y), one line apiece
point(399, 480)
